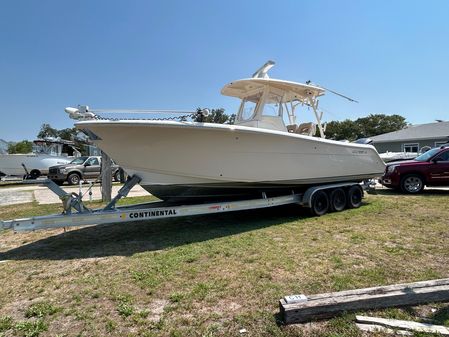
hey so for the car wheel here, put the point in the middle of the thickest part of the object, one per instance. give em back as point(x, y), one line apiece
point(355, 195)
point(337, 200)
point(74, 179)
point(320, 203)
point(412, 184)
point(117, 176)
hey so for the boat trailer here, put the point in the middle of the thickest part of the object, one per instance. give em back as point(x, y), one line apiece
point(75, 213)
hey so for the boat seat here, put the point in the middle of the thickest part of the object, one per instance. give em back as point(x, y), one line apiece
point(292, 128)
point(308, 129)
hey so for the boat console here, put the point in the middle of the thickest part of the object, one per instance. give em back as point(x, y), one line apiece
point(265, 102)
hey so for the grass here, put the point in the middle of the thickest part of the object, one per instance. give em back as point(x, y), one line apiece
point(214, 275)
point(31, 328)
point(40, 310)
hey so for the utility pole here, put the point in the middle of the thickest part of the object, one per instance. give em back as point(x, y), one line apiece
point(106, 177)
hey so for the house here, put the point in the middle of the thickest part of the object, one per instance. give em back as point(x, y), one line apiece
point(413, 138)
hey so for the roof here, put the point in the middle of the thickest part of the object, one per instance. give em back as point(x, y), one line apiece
point(242, 88)
point(439, 130)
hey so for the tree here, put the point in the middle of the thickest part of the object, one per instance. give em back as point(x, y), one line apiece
point(340, 130)
point(21, 147)
point(372, 125)
point(47, 131)
point(68, 134)
point(215, 116)
point(72, 134)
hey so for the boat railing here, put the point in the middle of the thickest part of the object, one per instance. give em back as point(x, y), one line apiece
point(83, 112)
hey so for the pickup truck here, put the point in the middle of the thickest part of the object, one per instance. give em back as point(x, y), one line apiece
point(81, 168)
point(429, 169)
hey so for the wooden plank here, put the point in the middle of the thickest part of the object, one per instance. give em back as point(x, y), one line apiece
point(380, 328)
point(382, 289)
point(404, 325)
point(330, 304)
point(328, 307)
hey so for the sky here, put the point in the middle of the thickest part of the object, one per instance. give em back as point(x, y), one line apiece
point(391, 56)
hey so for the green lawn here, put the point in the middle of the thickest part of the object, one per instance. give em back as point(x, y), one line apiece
point(214, 275)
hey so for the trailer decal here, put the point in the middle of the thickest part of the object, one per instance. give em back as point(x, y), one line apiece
point(150, 214)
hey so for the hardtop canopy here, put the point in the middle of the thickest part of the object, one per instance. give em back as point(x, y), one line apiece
point(293, 91)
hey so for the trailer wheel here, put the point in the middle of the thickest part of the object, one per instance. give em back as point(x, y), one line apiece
point(355, 195)
point(320, 203)
point(337, 200)
point(34, 174)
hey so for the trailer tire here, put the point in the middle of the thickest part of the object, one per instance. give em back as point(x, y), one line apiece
point(337, 200)
point(319, 203)
point(355, 195)
point(34, 174)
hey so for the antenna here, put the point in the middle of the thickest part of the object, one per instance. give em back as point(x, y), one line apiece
point(262, 72)
point(334, 92)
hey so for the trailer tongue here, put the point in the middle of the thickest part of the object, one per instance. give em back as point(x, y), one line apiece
point(319, 199)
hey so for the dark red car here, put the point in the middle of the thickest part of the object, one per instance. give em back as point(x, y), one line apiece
point(429, 169)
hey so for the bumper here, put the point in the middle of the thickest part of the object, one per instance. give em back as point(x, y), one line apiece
point(57, 176)
point(385, 181)
point(391, 180)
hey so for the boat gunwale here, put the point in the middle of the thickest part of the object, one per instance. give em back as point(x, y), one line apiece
point(213, 126)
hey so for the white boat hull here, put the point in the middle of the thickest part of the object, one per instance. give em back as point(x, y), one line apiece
point(11, 164)
point(388, 157)
point(184, 160)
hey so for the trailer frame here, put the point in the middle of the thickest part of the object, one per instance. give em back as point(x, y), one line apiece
point(75, 213)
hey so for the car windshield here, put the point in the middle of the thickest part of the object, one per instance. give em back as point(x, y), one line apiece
point(79, 160)
point(427, 155)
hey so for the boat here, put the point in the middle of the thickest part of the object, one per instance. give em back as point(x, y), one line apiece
point(264, 151)
point(45, 153)
point(389, 157)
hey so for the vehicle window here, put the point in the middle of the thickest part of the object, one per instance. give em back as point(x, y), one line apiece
point(79, 160)
point(426, 156)
point(92, 161)
point(444, 156)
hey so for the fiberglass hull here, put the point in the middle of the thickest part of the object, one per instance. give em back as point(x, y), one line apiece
point(182, 160)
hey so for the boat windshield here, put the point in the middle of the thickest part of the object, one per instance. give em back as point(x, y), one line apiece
point(40, 147)
point(273, 105)
point(427, 155)
point(52, 149)
point(79, 160)
point(249, 105)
